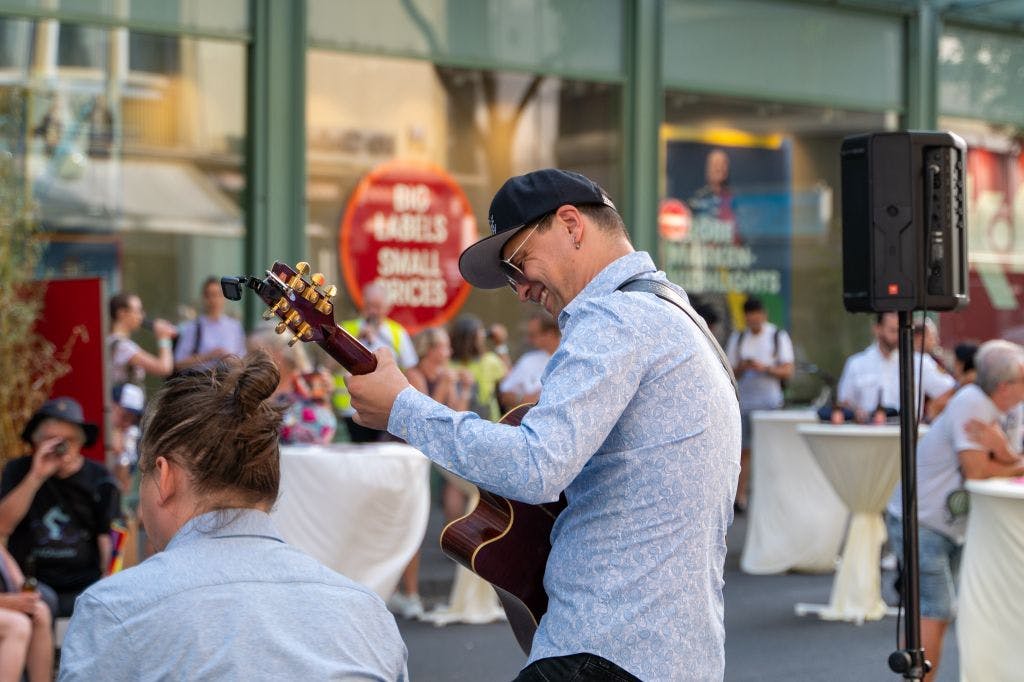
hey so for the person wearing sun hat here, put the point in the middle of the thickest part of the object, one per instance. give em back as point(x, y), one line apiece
point(56, 506)
point(637, 422)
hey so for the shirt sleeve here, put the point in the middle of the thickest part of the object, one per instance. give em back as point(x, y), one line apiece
point(844, 391)
point(238, 342)
point(97, 646)
point(186, 340)
point(786, 354)
point(934, 381)
point(406, 351)
point(589, 384)
point(124, 351)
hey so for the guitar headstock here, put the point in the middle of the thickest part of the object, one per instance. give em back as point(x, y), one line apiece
point(303, 305)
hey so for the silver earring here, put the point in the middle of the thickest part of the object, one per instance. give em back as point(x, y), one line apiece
point(577, 245)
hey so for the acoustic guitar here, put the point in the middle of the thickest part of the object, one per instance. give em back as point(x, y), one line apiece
point(503, 541)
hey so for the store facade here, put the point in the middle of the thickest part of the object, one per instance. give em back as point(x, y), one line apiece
point(166, 141)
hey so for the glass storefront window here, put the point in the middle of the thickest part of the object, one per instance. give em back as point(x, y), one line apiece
point(133, 144)
point(772, 229)
point(478, 126)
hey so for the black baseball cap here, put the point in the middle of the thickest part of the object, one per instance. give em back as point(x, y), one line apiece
point(521, 201)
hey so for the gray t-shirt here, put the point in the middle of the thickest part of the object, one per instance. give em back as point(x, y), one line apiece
point(938, 458)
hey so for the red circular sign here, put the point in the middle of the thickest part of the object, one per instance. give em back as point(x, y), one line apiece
point(404, 227)
point(674, 219)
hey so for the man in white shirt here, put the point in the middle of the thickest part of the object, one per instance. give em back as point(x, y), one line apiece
point(762, 358)
point(977, 436)
point(869, 386)
point(212, 335)
point(522, 383)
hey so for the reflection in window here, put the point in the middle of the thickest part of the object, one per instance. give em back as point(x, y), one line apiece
point(752, 208)
point(480, 126)
point(135, 161)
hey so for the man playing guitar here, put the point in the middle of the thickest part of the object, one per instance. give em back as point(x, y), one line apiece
point(637, 423)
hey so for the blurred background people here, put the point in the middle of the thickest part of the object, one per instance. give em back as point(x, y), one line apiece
point(375, 330)
point(303, 391)
point(497, 338)
point(431, 375)
point(211, 335)
point(966, 442)
point(762, 358)
point(522, 383)
point(26, 644)
point(469, 352)
point(963, 363)
point(225, 597)
point(56, 507)
point(129, 362)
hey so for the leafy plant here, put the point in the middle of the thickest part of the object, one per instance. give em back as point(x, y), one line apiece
point(29, 364)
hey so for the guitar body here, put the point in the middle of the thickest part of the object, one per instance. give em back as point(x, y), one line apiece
point(507, 543)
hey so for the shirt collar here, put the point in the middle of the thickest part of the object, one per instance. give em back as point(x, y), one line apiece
point(226, 523)
point(609, 279)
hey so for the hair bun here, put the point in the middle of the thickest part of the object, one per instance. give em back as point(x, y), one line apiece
point(256, 381)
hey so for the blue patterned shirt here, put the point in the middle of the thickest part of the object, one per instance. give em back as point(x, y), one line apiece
point(229, 600)
point(638, 423)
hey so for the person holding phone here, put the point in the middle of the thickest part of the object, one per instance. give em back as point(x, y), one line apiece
point(56, 506)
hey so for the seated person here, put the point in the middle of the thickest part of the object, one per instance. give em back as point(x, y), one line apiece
point(225, 597)
point(56, 506)
point(969, 441)
point(23, 640)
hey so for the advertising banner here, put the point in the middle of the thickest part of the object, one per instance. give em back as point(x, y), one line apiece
point(404, 227)
point(995, 234)
point(725, 225)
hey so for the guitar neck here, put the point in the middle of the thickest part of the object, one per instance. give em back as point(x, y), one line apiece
point(339, 344)
point(350, 354)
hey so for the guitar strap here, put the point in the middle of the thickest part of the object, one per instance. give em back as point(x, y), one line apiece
point(664, 291)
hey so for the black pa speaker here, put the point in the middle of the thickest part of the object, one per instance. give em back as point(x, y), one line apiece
point(904, 222)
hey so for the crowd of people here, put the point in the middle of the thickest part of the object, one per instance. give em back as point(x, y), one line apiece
point(634, 576)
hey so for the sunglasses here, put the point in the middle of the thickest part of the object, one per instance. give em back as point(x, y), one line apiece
point(513, 273)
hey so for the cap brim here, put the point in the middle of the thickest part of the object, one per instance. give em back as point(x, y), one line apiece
point(480, 264)
point(90, 430)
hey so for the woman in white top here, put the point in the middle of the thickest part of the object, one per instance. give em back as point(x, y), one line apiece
point(129, 362)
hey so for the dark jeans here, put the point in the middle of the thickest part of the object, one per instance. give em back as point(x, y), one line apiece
point(574, 668)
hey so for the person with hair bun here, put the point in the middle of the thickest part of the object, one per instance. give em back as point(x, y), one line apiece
point(225, 597)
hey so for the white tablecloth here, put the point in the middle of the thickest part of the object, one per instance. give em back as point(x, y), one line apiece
point(359, 509)
point(990, 625)
point(863, 465)
point(795, 520)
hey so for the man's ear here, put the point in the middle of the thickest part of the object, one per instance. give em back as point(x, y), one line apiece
point(572, 221)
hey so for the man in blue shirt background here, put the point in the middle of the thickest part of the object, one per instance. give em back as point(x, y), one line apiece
point(637, 423)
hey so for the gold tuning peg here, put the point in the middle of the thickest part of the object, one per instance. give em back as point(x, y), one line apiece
point(310, 295)
point(331, 291)
point(302, 267)
point(292, 317)
point(324, 305)
point(281, 327)
point(268, 313)
point(304, 331)
point(292, 341)
point(318, 279)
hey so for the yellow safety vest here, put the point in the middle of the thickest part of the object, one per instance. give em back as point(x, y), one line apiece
point(341, 399)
